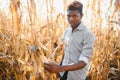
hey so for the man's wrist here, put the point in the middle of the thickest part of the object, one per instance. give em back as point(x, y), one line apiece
point(63, 68)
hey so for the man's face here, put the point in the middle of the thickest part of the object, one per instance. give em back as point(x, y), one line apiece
point(74, 18)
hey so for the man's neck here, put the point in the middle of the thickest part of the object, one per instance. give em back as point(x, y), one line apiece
point(75, 27)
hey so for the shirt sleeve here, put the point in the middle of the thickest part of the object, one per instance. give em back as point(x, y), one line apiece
point(88, 43)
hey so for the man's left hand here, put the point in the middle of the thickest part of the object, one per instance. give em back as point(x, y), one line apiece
point(53, 67)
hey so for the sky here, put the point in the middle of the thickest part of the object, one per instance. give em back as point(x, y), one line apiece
point(4, 4)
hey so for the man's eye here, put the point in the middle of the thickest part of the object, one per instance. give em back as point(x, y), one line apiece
point(74, 16)
point(68, 15)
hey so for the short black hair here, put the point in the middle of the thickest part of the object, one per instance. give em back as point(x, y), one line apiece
point(76, 5)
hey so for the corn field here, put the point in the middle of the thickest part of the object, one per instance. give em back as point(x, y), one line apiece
point(31, 34)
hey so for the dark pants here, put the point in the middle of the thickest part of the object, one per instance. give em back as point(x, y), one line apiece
point(64, 76)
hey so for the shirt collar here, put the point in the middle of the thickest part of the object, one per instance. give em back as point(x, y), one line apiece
point(79, 28)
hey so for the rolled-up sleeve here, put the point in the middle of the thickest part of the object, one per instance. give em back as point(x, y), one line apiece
point(87, 50)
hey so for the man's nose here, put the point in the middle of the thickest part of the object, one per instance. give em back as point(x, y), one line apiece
point(71, 19)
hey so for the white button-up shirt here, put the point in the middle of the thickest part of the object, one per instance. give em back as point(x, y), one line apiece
point(78, 46)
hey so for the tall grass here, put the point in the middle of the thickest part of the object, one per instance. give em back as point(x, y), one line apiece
point(25, 46)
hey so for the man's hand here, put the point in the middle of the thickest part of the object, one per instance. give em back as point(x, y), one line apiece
point(53, 67)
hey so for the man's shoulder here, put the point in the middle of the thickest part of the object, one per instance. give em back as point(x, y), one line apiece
point(67, 29)
point(88, 32)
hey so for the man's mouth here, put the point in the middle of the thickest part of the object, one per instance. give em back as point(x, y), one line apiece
point(72, 23)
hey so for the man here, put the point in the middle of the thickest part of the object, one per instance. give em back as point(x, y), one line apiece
point(78, 48)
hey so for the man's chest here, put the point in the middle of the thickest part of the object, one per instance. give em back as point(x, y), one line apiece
point(74, 39)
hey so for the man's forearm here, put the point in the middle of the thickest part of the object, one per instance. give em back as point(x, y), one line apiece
point(79, 65)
